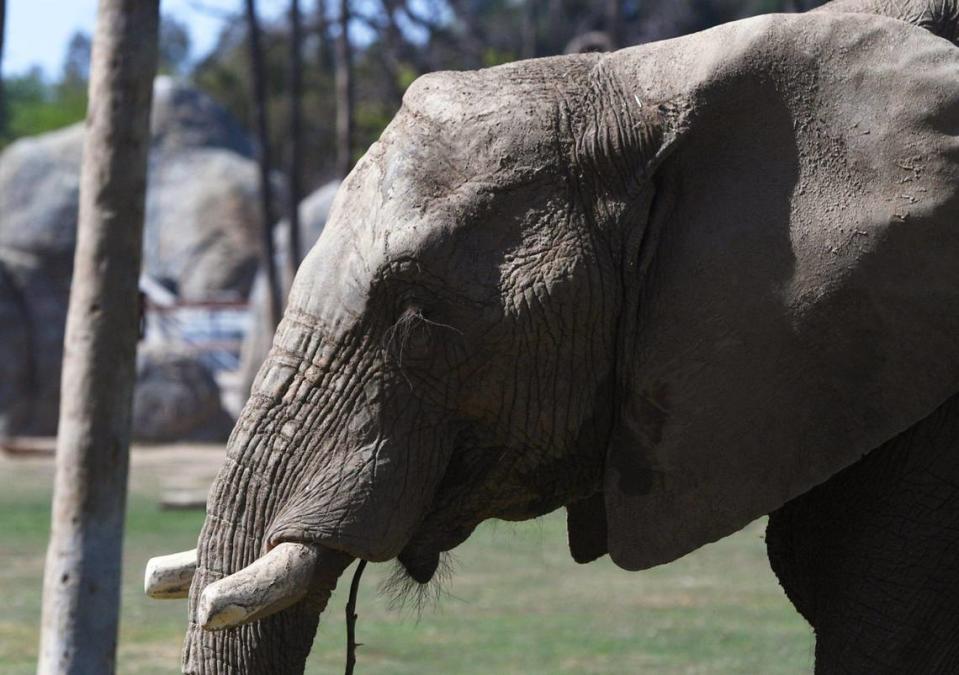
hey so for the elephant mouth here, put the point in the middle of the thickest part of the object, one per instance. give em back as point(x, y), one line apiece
point(420, 564)
point(419, 559)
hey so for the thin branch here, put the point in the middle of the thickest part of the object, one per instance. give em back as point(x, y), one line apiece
point(215, 12)
point(351, 643)
point(343, 82)
point(294, 255)
point(260, 115)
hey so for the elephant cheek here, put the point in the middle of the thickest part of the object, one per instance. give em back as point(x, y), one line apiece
point(370, 504)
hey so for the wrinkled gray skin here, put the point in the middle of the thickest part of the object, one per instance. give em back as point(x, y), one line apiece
point(940, 17)
point(314, 212)
point(670, 288)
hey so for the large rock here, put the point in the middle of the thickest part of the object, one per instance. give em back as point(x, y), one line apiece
point(39, 193)
point(314, 211)
point(176, 398)
point(17, 375)
point(201, 231)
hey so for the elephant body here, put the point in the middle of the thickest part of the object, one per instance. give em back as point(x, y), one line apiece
point(869, 557)
point(672, 289)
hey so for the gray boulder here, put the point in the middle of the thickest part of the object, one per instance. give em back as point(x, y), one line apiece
point(17, 376)
point(200, 232)
point(39, 193)
point(39, 190)
point(176, 398)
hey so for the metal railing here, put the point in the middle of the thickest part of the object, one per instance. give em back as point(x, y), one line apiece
point(212, 330)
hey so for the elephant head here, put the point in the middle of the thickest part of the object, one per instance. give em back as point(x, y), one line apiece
point(605, 282)
point(940, 17)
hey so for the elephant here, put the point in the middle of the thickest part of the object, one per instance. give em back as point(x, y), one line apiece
point(671, 289)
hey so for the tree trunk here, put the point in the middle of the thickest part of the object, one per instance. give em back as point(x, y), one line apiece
point(324, 55)
point(294, 254)
point(263, 159)
point(81, 589)
point(557, 28)
point(528, 30)
point(3, 104)
point(344, 94)
point(614, 23)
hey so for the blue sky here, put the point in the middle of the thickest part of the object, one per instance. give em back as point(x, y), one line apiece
point(37, 31)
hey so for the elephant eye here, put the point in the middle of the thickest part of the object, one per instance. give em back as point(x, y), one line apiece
point(410, 337)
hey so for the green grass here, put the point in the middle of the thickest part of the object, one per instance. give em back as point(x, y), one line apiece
point(516, 603)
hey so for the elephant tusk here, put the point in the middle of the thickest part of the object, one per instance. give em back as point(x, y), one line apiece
point(170, 576)
point(279, 579)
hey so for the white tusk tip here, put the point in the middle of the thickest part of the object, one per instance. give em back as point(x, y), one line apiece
point(271, 583)
point(212, 617)
point(170, 576)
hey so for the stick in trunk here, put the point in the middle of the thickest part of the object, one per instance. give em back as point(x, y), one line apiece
point(351, 643)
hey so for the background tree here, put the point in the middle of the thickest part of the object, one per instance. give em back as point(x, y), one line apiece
point(71, 90)
point(295, 173)
point(175, 45)
point(614, 22)
point(264, 159)
point(344, 93)
point(76, 62)
point(81, 588)
point(394, 41)
point(3, 107)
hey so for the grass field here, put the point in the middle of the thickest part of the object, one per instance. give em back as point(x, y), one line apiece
point(516, 602)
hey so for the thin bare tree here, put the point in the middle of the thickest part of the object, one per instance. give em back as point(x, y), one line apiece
point(344, 93)
point(528, 30)
point(81, 586)
point(614, 23)
point(296, 139)
point(3, 105)
point(321, 28)
point(261, 123)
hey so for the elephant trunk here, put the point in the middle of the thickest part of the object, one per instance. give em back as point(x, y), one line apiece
point(316, 475)
point(247, 623)
point(275, 589)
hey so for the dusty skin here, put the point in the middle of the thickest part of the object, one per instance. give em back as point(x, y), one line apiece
point(672, 289)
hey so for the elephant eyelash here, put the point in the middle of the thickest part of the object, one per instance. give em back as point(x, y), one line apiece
point(398, 336)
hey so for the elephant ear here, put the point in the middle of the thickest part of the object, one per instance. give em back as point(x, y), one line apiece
point(796, 303)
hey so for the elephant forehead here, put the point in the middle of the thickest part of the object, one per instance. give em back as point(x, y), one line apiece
point(443, 182)
point(497, 125)
point(378, 224)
